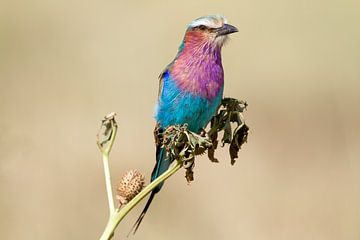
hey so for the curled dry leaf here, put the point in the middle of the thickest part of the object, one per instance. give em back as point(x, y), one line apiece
point(229, 112)
point(106, 130)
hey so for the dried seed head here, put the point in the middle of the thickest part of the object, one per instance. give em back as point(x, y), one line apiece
point(129, 186)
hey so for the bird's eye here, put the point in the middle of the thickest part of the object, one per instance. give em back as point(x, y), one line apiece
point(202, 27)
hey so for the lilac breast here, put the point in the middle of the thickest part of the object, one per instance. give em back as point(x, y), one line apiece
point(199, 71)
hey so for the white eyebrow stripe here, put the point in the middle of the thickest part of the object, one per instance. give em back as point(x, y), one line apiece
point(214, 21)
point(205, 22)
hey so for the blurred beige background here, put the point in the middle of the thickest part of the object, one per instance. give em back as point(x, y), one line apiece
point(65, 64)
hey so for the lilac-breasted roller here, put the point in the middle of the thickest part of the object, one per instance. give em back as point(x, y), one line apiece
point(191, 86)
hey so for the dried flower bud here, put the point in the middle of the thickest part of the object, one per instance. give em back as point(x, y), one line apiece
point(129, 186)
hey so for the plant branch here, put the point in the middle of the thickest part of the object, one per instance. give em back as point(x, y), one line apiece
point(181, 145)
point(109, 128)
point(105, 158)
point(119, 214)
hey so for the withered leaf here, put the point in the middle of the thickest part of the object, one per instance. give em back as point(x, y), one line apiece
point(108, 124)
point(211, 150)
point(229, 112)
point(227, 133)
point(184, 145)
point(240, 137)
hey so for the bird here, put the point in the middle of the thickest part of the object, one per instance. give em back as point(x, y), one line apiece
point(190, 87)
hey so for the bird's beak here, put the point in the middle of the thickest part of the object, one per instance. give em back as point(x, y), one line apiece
point(226, 29)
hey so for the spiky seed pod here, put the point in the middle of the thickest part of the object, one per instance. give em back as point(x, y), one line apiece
point(129, 186)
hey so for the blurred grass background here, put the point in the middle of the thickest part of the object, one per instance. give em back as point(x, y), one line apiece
point(65, 64)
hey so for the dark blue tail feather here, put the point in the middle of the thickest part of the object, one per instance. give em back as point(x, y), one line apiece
point(162, 164)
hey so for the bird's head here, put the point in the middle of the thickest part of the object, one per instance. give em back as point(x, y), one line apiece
point(213, 29)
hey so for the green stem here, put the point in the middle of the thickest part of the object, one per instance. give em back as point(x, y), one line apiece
point(105, 157)
point(105, 151)
point(119, 214)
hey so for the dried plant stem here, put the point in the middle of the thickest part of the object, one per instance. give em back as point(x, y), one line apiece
point(119, 214)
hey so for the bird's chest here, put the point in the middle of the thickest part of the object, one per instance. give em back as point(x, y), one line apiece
point(192, 91)
point(178, 106)
point(204, 77)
